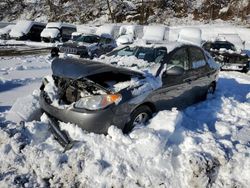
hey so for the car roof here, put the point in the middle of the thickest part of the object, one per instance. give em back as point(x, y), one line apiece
point(59, 25)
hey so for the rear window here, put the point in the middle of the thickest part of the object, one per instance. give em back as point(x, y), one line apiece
point(87, 39)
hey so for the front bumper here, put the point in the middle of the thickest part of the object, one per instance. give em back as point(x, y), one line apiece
point(91, 121)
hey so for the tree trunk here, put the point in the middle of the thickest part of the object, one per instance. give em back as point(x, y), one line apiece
point(110, 12)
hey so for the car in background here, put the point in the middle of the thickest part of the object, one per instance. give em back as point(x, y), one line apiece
point(225, 53)
point(57, 31)
point(27, 30)
point(86, 46)
point(4, 32)
point(126, 34)
point(96, 95)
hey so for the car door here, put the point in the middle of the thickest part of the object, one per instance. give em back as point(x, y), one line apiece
point(175, 90)
point(200, 71)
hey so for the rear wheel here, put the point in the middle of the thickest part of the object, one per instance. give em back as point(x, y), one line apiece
point(210, 90)
point(140, 115)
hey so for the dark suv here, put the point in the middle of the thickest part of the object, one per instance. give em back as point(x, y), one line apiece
point(86, 46)
point(96, 95)
point(226, 54)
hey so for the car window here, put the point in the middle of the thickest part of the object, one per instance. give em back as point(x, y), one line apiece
point(67, 31)
point(197, 58)
point(180, 59)
point(223, 45)
point(87, 39)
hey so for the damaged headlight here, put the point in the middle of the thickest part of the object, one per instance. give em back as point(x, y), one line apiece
point(97, 102)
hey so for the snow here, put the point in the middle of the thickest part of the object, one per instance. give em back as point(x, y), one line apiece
point(234, 39)
point(205, 145)
point(22, 27)
point(125, 39)
point(176, 149)
point(190, 35)
point(154, 33)
point(6, 29)
point(106, 29)
point(59, 25)
point(50, 32)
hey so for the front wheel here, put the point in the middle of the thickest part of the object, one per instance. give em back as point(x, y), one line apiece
point(139, 116)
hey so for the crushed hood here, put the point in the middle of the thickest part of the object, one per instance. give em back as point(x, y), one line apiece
point(77, 68)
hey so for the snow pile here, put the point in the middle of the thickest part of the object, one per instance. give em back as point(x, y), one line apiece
point(205, 145)
point(25, 108)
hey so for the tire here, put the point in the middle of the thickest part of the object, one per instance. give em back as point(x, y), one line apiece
point(210, 91)
point(245, 70)
point(143, 112)
point(54, 52)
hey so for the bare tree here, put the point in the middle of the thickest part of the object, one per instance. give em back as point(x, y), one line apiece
point(110, 12)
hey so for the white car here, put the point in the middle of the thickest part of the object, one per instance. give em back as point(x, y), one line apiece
point(57, 31)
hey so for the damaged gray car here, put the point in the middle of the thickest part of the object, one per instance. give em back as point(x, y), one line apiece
point(95, 95)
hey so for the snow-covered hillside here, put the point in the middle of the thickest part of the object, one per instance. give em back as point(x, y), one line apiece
point(205, 145)
point(139, 11)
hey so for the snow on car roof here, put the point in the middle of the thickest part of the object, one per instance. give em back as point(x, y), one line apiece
point(59, 25)
point(106, 29)
point(169, 45)
point(24, 26)
point(190, 36)
point(50, 32)
point(154, 32)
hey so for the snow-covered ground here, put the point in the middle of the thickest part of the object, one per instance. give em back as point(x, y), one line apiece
point(207, 144)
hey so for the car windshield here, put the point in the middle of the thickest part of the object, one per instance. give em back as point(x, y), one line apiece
point(87, 39)
point(145, 53)
point(223, 45)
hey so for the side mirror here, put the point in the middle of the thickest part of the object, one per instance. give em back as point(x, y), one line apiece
point(175, 71)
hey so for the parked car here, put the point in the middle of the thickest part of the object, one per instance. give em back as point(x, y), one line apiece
point(57, 31)
point(86, 46)
point(96, 95)
point(126, 35)
point(4, 32)
point(27, 30)
point(227, 55)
